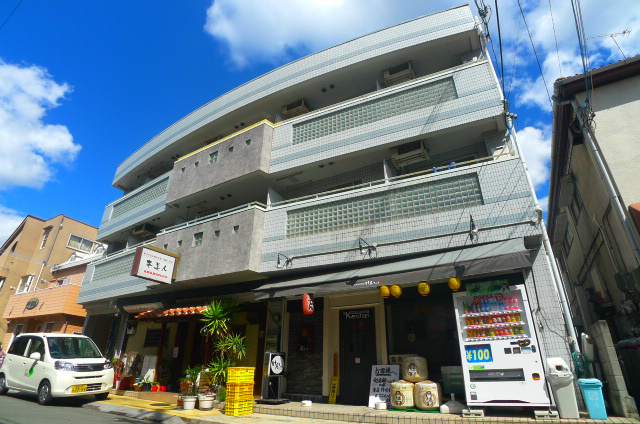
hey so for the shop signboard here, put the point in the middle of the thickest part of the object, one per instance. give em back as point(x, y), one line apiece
point(276, 363)
point(335, 381)
point(155, 264)
point(381, 378)
point(488, 287)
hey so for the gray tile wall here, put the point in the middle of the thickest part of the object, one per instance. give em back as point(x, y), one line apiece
point(415, 32)
point(478, 98)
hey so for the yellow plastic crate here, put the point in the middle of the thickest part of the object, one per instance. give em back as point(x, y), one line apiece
point(239, 392)
point(240, 375)
point(237, 409)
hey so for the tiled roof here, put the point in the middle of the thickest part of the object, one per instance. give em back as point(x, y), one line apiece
point(172, 312)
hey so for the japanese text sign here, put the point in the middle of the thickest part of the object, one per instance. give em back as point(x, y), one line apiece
point(155, 264)
point(381, 378)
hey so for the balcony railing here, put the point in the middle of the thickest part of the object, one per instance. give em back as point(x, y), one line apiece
point(49, 301)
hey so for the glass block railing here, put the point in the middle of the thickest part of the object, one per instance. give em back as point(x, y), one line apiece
point(431, 197)
point(145, 195)
point(375, 110)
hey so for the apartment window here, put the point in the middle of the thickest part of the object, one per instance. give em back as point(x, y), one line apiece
point(568, 239)
point(196, 164)
point(576, 203)
point(197, 240)
point(80, 243)
point(247, 142)
point(45, 236)
point(48, 327)
point(213, 157)
point(230, 149)
point(2, 280)
point(64, 282)
point(25, 284)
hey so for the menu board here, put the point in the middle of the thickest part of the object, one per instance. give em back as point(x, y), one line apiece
point(381, 378)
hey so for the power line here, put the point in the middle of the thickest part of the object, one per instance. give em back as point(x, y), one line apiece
point(11, 14)
point(584, 49)
point(553, 24)
point(536, 53)
point(515, 54)
point(500, 43)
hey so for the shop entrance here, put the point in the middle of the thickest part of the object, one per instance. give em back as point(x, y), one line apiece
point(357, 354)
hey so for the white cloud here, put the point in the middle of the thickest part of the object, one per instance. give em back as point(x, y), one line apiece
point(9, 221)
point(536, 146)
point(544, 203)
point(29, 147)
point(268, 31)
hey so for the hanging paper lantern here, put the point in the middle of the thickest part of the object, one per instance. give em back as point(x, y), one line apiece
point(396, 290)
point(308, 304)
point(384, 292)
point(424, 288)
point(454, 283)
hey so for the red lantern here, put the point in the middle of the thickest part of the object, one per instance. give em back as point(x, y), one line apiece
point(308, 304)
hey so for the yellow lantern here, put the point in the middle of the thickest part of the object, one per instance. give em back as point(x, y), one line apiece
point(384, 291)
point(424, 288)
point(396, 290)
point(454, 283)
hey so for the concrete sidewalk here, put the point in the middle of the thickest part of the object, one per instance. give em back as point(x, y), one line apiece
point(295, 413)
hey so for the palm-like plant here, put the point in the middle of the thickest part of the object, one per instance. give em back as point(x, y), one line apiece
point(229, 347)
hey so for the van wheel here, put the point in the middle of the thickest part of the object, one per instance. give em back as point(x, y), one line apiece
point(3, 385)
point(44, 393)
point(102, 396)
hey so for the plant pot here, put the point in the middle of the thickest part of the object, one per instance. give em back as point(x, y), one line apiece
point(163, 388)
point(189, 402)
point(146, 387)
point(154, 388)
point(205, 402)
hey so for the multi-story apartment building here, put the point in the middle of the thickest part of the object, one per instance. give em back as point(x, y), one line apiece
point(594, 214)
point(386, 157)
point(34, 295)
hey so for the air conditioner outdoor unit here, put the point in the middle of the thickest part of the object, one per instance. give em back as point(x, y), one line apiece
point(398, 74)
point(295, 109)
point(143, 230)
point(409, 153)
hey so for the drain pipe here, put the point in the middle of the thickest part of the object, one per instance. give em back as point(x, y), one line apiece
point(573, 338)
point(596, 157)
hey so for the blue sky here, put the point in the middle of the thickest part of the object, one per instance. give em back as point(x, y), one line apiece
point(84, 84)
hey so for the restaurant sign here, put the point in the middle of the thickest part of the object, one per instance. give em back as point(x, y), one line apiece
point(154, 264)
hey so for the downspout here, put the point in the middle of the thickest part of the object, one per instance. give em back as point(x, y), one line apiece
point(596, 157)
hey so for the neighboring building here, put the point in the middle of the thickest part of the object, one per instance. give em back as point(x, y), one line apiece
point(34, 294)
point(594, 209)
point(366, 161)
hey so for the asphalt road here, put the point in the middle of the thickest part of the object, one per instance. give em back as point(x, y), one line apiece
point(19, 408)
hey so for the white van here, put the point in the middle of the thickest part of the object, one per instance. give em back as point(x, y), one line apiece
point(55, 365)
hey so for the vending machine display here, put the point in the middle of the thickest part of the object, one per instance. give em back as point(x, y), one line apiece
point(501, 359)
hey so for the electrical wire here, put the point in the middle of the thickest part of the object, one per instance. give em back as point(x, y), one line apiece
point(553, 24)
point(11, 14)
point(584, 51)
point(515, 54)
point(536, 54)
point(500, 44)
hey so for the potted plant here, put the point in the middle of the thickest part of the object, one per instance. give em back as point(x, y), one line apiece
point(228, 346)
point(146, 385)
point(206, 394)
point(118, 367)
point(189, 387)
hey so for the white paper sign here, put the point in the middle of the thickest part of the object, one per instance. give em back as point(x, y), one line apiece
point(148, 367)
point(381, 378)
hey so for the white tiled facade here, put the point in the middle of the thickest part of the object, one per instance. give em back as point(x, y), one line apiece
point(420, 211)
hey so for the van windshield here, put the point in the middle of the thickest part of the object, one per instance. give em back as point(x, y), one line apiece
point(72, 347)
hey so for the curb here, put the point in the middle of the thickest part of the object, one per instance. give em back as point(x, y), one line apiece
point(140, 414)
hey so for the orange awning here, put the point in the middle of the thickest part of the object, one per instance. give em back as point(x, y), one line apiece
point(172, 312)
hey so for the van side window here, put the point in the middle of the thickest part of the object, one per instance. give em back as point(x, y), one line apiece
point(18, 346)
point(37, 345)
